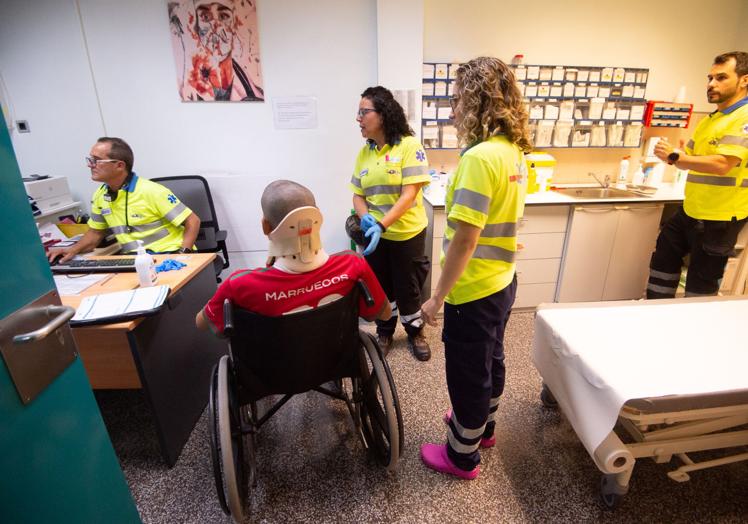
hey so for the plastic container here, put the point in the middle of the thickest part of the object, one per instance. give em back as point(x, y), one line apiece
point(638, 176)
point(145, 267)
point(623, 171)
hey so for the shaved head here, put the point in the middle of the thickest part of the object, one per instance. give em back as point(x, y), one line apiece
point(281, 197)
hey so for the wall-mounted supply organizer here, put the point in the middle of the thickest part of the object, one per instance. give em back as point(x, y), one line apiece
point(569, 106)
point(667, 114)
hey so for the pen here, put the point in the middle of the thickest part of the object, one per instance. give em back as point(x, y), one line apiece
point(107, 279)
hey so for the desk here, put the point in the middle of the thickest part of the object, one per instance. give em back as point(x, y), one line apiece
point(165, 355)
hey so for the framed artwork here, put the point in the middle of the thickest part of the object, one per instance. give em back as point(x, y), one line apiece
point(216, 50)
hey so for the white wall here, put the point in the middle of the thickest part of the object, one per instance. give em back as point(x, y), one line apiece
point(675, 39)
point(325, 49)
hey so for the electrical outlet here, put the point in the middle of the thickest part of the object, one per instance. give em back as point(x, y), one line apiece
point(23, 126)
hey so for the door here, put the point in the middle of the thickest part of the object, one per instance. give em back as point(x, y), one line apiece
point(57, 463)
point(636, 239)
point(588, 247)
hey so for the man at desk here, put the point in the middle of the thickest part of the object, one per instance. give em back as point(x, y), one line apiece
point(134, 208)
point(300, 274)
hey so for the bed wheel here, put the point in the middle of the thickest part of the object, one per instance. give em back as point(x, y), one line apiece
point(611, 494)
point(547, 398)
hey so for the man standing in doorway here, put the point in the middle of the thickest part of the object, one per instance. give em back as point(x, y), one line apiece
point(715, 207)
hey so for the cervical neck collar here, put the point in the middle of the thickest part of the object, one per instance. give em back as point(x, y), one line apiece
point(295, 243)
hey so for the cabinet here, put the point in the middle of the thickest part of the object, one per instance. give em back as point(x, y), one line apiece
point(608, 249)
point(540, 235)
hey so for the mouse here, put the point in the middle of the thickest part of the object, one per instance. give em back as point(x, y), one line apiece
point(55, 260)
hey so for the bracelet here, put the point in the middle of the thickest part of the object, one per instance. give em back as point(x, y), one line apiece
point(382, 226)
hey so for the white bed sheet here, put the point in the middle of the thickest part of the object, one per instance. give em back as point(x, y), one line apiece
point(596, 356)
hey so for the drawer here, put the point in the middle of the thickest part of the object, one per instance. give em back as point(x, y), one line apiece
point(544, 219)
point(540, 245)
point(440, 222)
point(537, 271)
point(530, 295)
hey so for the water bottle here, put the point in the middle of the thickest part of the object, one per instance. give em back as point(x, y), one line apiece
point(145, 267)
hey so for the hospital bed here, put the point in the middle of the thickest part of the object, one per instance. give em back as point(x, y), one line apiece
point(672, 373)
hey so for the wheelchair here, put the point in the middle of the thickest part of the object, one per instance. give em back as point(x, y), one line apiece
point(294, 354)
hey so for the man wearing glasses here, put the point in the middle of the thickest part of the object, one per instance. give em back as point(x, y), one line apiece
point(133, 208)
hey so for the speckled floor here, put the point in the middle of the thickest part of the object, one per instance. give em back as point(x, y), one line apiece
point(312, 468)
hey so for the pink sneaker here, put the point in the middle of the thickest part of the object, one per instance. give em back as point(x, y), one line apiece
point(484, 442)
point(435, 457)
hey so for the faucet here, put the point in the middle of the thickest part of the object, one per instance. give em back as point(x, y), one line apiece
point(605, 183)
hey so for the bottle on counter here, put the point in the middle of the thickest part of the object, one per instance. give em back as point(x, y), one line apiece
point(639, 176)
point(145, 267)
point(623, 172)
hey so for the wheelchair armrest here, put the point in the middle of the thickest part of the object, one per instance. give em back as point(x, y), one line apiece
point(368, 299)
point(221, 235)
point(228, 318)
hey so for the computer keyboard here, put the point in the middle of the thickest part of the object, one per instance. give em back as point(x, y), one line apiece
point(112, 265)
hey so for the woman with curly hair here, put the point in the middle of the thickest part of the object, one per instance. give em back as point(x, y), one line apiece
point(390, 171)
point(485, 198)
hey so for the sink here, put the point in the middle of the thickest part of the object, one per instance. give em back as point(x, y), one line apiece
point(596, 192)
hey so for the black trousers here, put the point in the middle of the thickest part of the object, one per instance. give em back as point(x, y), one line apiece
point(474, 352)
point(401, 268)
point(708, 243)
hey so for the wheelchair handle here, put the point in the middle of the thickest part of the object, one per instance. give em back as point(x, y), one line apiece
point(365, 291)
point(228, 318)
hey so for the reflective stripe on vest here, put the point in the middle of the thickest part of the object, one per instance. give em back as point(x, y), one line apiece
point(121, 230)
point(158, 235)
point(415, 171)
point(487, 252)
point(744, 183)
point(502, 229)
point(471, 199)
point(732, 140)
point(711, 180)
point(174, 213)
point(385, 189)
point(356, 181)
point(97, 218)
point(690, 144)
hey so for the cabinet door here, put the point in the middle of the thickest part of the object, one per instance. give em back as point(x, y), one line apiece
point(635, 241)
point(588, 248)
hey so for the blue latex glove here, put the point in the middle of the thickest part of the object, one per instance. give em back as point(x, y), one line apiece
point(169, 265)
point(367, 221)
point(375, 232)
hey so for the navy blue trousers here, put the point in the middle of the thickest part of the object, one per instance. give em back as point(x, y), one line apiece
point(473, 338)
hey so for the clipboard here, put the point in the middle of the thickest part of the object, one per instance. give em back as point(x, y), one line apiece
point(120, 306)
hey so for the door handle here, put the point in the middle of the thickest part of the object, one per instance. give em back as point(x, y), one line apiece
point(62, 315)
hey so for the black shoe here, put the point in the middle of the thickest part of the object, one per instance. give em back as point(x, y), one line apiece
point(385, 343)
point(420, 348)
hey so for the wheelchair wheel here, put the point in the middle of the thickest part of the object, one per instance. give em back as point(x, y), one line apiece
point(229, 443)
point(381, 418)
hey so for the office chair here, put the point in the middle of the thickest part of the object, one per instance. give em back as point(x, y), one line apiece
point(195, 193)
point(292, 354)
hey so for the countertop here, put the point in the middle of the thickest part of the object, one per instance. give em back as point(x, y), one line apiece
point(666, 193)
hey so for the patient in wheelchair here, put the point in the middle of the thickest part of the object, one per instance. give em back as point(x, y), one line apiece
point(299, 274)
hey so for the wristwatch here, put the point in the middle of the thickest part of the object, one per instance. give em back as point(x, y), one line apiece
point(184, 250)
point(673, 157)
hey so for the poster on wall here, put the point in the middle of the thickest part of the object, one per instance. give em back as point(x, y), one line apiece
point(216, 49)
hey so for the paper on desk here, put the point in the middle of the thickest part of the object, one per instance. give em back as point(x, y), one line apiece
point(120, 303)
point(67, 285)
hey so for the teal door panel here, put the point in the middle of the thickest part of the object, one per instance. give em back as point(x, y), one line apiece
point(57, 463)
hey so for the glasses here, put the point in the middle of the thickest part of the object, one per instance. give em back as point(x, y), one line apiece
point(453, 101)
point(91, 161)
point(364, 110)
